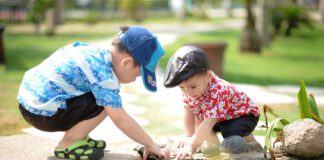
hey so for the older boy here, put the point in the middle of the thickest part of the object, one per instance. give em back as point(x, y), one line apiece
point(77, 87)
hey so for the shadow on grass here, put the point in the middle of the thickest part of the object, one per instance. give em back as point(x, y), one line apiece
point(24, 58)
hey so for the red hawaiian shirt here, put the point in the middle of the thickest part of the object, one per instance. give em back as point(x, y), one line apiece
point(222, 101)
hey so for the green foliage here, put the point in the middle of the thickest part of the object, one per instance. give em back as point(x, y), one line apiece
point(91, 17)
point(307, 106)
point(201, 7)
point(38, 9)
point(275, 126)
point(134, 9)
point(289, 17)
point(307, 109)
point(313, 105)
point(303, 102)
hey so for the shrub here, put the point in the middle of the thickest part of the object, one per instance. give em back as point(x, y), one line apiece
point(289, 17)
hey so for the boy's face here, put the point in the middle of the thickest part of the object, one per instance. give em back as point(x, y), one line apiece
point(125, 67)
point(196, 85)
point(131, 72)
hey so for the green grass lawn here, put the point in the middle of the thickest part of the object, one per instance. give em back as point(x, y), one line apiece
point(286, 61)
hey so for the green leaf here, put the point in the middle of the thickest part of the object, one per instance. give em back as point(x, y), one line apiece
point(270, 110)
point(303, 102)
point(317, 118)
point(274, 126)
point(313, 105)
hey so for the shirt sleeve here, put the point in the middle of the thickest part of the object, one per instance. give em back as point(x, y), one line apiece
point(185, 101)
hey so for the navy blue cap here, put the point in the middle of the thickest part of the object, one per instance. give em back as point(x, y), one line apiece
point(146, 50)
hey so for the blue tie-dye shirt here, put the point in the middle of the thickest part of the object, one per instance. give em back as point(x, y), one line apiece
point(71, 71)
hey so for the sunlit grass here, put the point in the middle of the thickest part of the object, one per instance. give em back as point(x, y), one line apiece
point(287, 61)
point(11, 121)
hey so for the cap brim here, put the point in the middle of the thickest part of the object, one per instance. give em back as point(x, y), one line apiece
point(149, 79)
point(148, 71)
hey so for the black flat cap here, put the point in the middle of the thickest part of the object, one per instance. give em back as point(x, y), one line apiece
point(186, 62)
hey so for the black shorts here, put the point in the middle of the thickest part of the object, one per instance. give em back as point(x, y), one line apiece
point(79, 108)
point(241, 126)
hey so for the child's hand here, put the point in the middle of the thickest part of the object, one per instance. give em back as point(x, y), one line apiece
point(160, 152)
point(184, 142)
point(185, 152)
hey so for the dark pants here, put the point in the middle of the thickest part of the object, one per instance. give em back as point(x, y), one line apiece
point(78, 109)
point(241, 126)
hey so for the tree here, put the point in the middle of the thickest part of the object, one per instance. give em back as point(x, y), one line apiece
point(201, 11)
point(54, 16)
point(134, 9)
point(179, 8)
point(263, 22)
point(58, 12)
point(289, 17)
point(250, 41)
point(37, 11)
point(227, 6)
point(321, 6)
point(2, 52)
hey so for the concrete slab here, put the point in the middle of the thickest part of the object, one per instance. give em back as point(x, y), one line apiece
point(30, 147)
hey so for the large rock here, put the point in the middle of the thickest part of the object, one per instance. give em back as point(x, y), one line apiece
point(234, 145)
point(304, 138)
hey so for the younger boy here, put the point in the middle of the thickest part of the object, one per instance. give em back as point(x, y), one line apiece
point(77, 87)
point(211, 104)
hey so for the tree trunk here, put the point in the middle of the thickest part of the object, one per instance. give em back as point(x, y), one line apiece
point(103, 5)
point(50, 22)
point(321, 7)
point(250, 41)
point(181, 14)
point(58, 12)
point(227, 6)
point(37, 25)
point(263, 22)
point(2, 52)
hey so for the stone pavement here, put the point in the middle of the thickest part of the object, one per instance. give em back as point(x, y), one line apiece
point(31, 147)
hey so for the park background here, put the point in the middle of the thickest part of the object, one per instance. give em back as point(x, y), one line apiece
point(269, 44)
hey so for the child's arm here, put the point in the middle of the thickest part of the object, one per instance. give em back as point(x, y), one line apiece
point(189, 127)
point(134, 131)
point(200, 135)
point(189, 122)
point(203, 132)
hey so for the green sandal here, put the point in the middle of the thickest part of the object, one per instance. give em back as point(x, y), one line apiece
point(99, 144)
point(80, 150)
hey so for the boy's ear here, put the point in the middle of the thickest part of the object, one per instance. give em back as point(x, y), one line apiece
point(126, 61)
